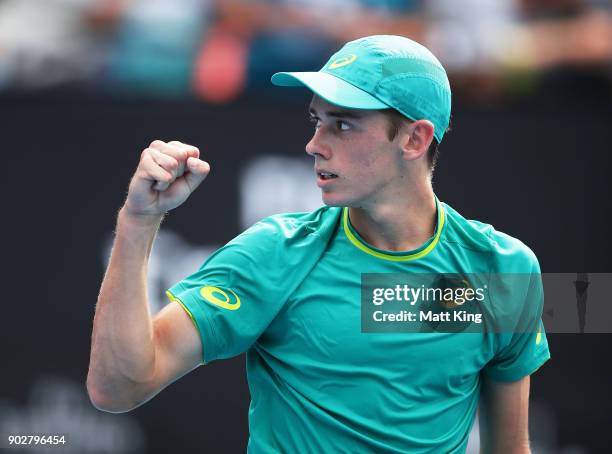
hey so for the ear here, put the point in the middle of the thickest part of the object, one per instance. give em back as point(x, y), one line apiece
point(416, 139)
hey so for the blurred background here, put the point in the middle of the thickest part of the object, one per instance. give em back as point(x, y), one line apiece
point(85, 85)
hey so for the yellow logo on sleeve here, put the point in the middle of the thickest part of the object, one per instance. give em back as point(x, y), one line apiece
point(342, 61)
point(539, 336)
point(219, 297)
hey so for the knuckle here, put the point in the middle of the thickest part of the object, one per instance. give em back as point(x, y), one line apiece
point(184, 148)
point(145, 156)
point(172, 164)
point(178, 154)
point(173, 151)
point(190, 147)
point(156, 143)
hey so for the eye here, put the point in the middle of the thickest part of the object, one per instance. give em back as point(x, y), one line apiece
point(342, 125)
point(315, 121)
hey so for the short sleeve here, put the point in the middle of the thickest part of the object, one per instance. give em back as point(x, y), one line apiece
point(521, 344)
point(241, 288)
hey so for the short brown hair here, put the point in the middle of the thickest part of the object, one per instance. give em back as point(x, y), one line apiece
point(396, 120)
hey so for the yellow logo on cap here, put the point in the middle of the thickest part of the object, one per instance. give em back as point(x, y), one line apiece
point(342, 61)
point(209, 293)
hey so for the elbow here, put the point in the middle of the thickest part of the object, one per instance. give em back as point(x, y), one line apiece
point(106, 401)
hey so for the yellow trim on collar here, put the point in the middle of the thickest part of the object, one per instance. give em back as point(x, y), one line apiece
point(395, 258)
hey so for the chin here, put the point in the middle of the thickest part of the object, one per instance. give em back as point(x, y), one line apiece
point(335, 200)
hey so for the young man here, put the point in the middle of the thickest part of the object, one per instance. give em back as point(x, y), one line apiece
point(288, 290)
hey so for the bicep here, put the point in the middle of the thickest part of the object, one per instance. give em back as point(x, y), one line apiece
point(503, 416)
point(178, 348)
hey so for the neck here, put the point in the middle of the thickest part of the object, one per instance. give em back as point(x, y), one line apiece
point(398, 226)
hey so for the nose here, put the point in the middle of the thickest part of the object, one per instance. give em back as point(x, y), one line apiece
point(317, 146)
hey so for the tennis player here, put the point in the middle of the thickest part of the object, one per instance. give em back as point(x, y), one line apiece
point(287, 291)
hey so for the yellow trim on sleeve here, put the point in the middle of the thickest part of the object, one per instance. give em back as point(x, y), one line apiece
point(173, 298)
point(395, 258)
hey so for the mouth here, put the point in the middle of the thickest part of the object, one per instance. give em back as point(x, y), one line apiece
point(326, 176)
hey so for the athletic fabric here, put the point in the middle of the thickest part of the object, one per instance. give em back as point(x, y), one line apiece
point(287, 292)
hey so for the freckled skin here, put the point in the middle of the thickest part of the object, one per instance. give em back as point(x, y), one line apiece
point(369, 166)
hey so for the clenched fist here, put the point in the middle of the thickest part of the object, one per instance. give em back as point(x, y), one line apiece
point(166, 175)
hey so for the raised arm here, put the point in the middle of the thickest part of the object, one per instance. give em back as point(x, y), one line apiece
point(133, 356)
point(503, 417)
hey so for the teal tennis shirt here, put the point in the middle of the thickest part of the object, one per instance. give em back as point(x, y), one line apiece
point(287, 292)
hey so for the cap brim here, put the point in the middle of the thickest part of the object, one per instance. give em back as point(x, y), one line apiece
point(330, 88)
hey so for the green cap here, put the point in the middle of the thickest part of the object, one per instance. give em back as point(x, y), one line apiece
point(379, 72)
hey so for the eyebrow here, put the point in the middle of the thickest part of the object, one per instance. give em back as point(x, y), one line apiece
point(336, 113)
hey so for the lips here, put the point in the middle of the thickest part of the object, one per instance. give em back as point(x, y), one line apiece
point(326, 175)
point(325, 179)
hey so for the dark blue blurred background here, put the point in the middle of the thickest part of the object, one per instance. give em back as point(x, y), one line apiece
point(85, 85)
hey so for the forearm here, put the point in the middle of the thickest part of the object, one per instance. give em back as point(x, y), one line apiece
point(123, 350)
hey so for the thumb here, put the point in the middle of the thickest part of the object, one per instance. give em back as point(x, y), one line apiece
point(198, 170)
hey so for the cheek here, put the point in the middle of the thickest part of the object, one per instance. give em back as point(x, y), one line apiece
point(375, 165)
point(363, 156)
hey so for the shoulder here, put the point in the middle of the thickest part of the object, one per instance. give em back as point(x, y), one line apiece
point(287, 244)
point(290, 229)
point(507, 254)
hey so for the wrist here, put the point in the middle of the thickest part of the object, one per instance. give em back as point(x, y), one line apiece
point(138, 221)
